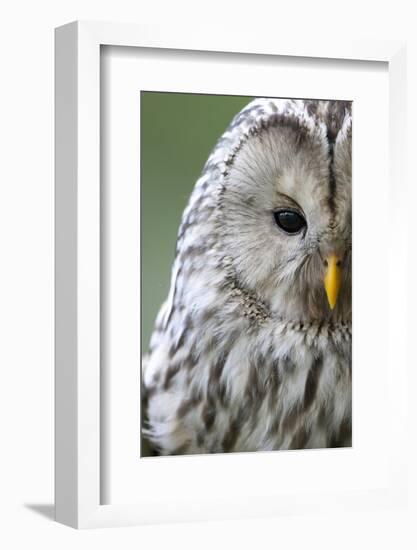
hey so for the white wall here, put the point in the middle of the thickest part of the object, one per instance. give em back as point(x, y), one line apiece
point(26, 274)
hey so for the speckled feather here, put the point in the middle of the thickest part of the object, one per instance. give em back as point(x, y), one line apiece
point(246, 354)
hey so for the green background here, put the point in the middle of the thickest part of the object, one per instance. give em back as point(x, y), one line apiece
point(178, 132)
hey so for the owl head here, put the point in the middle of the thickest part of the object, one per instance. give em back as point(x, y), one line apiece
point(273, 208)
point(285, 210)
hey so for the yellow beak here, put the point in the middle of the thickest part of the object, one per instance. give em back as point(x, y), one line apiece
point(333, 279)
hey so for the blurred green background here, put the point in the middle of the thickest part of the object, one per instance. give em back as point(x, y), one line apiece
point(178, 132)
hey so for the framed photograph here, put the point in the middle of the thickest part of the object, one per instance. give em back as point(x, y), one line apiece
point(229, 323)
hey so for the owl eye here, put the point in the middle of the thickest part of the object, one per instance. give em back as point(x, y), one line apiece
point(289, 221)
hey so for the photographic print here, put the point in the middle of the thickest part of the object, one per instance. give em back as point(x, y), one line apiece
point(246, 262)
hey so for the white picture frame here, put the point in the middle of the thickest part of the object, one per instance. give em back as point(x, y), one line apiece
point(78, 292)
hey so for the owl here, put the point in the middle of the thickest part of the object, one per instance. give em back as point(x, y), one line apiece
point(251, 351)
